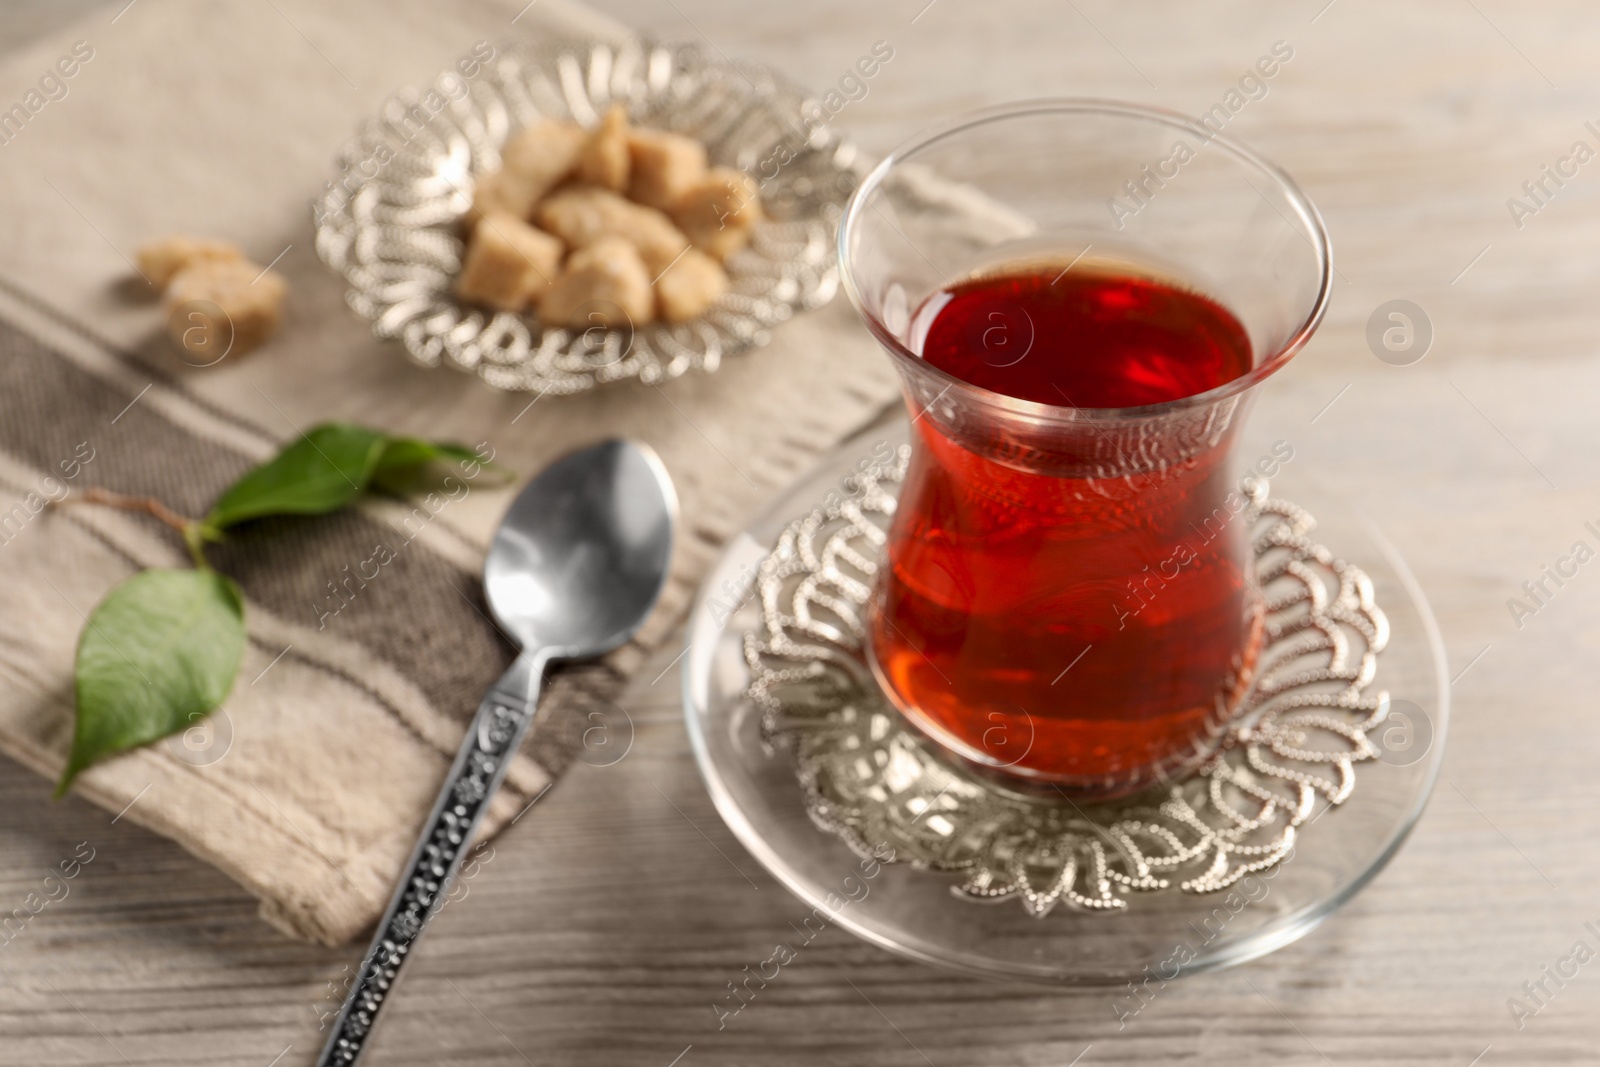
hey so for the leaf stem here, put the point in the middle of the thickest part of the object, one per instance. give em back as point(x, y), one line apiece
point(192, 531)
point(194, 536)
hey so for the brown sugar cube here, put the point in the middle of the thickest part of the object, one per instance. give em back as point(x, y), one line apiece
point(541, 156)
point(534, 161)
point(604, 284)
point(604, 158)
point(508, 263)
point(664, 166)
point(223, 307)
point(687, 287)
point(584, 214)
point(719, 213)
point(160, 260)
point(501, 193)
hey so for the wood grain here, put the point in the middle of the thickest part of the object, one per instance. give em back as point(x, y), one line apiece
point(611, 916)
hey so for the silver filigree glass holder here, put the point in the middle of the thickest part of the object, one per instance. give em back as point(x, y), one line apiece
point(1301, 730)
point(389, 222)
point(1314, 787)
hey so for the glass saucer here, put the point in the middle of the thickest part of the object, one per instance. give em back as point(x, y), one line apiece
point(924, 915)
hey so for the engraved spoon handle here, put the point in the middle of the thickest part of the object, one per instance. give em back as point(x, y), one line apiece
point(494, 737)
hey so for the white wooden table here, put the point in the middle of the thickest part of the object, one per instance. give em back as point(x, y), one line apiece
point(609, 920)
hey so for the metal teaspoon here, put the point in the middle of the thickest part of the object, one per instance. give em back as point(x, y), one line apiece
point(575, 568)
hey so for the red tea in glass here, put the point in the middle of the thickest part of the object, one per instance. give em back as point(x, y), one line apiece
point(1067, 597)
point(1096, 629)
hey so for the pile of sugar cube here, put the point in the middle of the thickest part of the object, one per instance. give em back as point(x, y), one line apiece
point(615, 226)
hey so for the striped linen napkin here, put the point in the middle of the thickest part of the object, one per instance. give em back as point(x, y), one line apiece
point(222, 120)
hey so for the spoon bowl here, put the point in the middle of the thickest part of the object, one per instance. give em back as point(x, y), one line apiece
point(583, 551)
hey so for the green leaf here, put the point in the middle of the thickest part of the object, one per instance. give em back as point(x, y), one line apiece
point(328, 467)
point(404, 465)
point(158, 652)
point(414, 451)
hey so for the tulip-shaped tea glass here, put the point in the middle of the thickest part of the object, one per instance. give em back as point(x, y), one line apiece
point(1081, 298)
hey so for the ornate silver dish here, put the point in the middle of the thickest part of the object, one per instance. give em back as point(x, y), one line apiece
point(389, 222)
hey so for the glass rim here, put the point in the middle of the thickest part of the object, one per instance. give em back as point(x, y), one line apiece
point(1314, 231)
